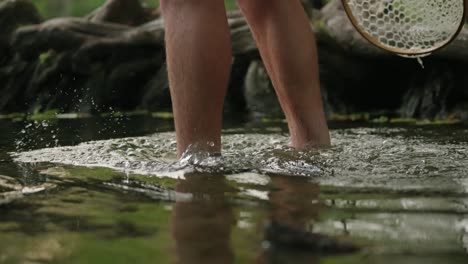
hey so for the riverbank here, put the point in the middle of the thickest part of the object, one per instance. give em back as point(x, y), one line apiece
point(113, 59)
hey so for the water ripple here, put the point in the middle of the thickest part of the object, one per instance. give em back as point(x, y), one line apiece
point(361, 157)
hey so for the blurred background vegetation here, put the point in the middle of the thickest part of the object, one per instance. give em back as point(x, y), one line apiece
point(41, 64)
point(55, 8)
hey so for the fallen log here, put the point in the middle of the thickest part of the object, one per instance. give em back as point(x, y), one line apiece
point(106, 62)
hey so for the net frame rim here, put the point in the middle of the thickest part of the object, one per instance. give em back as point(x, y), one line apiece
point(376, 43)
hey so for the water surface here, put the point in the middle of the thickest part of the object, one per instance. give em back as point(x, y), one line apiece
point(399, 194)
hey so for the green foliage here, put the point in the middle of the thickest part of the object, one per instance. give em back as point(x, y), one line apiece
point(231, 4)
point(163, 115)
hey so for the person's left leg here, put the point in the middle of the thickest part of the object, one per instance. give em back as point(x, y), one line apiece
point(198, 61)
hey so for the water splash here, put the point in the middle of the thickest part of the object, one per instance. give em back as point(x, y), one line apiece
point(37, 133)
point(358, 158)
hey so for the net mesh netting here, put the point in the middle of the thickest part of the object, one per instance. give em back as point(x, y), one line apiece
point(409, 26)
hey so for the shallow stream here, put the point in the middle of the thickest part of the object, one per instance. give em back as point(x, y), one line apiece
point(111, 191)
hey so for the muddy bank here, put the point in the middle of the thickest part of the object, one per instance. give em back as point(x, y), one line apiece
point(114, 58)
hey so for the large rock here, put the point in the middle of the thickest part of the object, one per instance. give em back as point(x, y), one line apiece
point(14, 13)
point(436, 92)
point(259, 93)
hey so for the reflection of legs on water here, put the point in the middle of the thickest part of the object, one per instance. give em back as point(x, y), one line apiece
point(198, 58)
point(295, 201)
point(295, 204)
point(287, 46)
point(202, 222)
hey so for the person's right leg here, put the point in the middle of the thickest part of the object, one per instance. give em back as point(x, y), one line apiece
point(286, 43)
point(198, 60)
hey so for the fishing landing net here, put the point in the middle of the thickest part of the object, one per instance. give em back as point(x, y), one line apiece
point(410, 28)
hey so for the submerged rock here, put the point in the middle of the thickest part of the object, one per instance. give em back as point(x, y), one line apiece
point(11, 189)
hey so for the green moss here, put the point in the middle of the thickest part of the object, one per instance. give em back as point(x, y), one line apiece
point(46, 115)
point(163, 115)
point(106, 174)
point(320, 26)
point(163, 182)
point(438, 122)
point(403, 121)
point(44, 57)
point(350, 117)
point(273, 120)
point(13, 116)
point(125, 113)
point(381, 119)
point(98, 173)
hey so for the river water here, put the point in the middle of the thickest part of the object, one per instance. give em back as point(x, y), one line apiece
point(111, 191)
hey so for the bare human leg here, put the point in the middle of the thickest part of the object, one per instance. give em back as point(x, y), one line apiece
point(198, 59)
point(287, 46)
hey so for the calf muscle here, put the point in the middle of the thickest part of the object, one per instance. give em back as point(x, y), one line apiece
point(287, 46)
point(198, 59)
